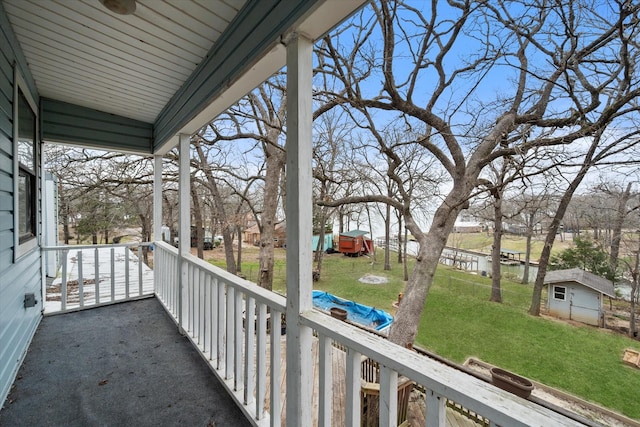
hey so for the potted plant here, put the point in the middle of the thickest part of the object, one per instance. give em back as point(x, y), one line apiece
point(511, 382)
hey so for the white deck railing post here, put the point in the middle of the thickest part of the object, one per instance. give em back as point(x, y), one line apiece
point(436, 409)
point(388, 397)
point(63, 285)
point(299, 225)
point(353, 383)
point(276, 368)
point(325, 381)
point(184, 229)
point(80, 280)
point(97, 275)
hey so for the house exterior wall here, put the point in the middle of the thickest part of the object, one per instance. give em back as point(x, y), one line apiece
point(581, 303)
point(24, 274)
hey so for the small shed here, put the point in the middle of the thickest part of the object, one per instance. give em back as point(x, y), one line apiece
point(576, 294)
point(354, 243)
point(327, 245)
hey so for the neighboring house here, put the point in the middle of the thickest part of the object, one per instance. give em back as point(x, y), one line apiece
point(252, 235)
point(576, 294)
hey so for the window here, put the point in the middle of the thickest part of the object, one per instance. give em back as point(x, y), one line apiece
point(560, 293)
point(25, 169)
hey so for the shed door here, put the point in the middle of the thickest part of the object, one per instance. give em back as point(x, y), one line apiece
point(585, 305)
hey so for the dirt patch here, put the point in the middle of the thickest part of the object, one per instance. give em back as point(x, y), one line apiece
point(373, 280)
point(54, 293)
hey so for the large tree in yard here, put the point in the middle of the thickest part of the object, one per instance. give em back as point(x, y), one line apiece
point(480, 81)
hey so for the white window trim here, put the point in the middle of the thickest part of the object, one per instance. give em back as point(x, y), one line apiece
point(554, 293)
point(21, 249)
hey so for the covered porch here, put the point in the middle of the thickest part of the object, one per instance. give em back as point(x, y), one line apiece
point(156, 106)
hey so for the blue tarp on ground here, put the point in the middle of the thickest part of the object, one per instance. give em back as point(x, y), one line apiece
point(367, 316)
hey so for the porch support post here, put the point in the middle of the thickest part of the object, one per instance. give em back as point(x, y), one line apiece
point(184, 228)
point(299, 228)
point(157, 198)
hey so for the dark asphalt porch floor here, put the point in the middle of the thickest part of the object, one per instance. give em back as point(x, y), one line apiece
point(118, 365)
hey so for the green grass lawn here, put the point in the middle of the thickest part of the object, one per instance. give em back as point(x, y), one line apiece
point(460, 322)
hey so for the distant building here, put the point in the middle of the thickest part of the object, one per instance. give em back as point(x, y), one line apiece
point(467, 227)
point(252, 235)
point(576, 294)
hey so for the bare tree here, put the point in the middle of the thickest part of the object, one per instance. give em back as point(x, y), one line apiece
point(563, 85)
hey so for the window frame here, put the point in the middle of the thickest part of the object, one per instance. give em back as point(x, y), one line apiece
point(564, 293)
point(21, 244)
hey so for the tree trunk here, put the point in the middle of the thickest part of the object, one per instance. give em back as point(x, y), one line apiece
point(239, 262)
point(405, 326)
point(321, 233)
point(633, 327)
point(400, 239)
point(404, 261)
point(527, 258)
point(536, 298)
point(274, 162)
point(197, 216)
point(496, 294)
point(387, 236)
point(621, 213)
point(227, 236)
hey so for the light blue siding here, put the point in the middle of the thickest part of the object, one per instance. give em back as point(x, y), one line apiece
point(17, 324)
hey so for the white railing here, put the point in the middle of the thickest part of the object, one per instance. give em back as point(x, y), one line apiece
point(94, 275)
point(226, 318)
point(235, 325)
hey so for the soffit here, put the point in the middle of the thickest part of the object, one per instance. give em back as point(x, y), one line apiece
point(131, 65)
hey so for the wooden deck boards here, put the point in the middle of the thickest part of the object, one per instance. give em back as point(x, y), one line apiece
point(417, 407)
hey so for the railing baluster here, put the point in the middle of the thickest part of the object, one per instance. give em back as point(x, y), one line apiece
point(126, 272)
point(96, 260)
point(353, 388)
point(238, 341)
point(201, 307)
point(221, 323)
point(229, 356)
point(436, 409)
point(140, 270)
point(113, 274)
point(261, 352)
point(325, 381)
point(63, 286)
point(206, 311)
point(192, 298)
point(213, 331)
point(80, 280)
point(388, 397)
point(276, 369)
point(249, 349)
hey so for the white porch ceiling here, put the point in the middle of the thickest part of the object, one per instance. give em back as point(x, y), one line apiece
point(130, 65)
